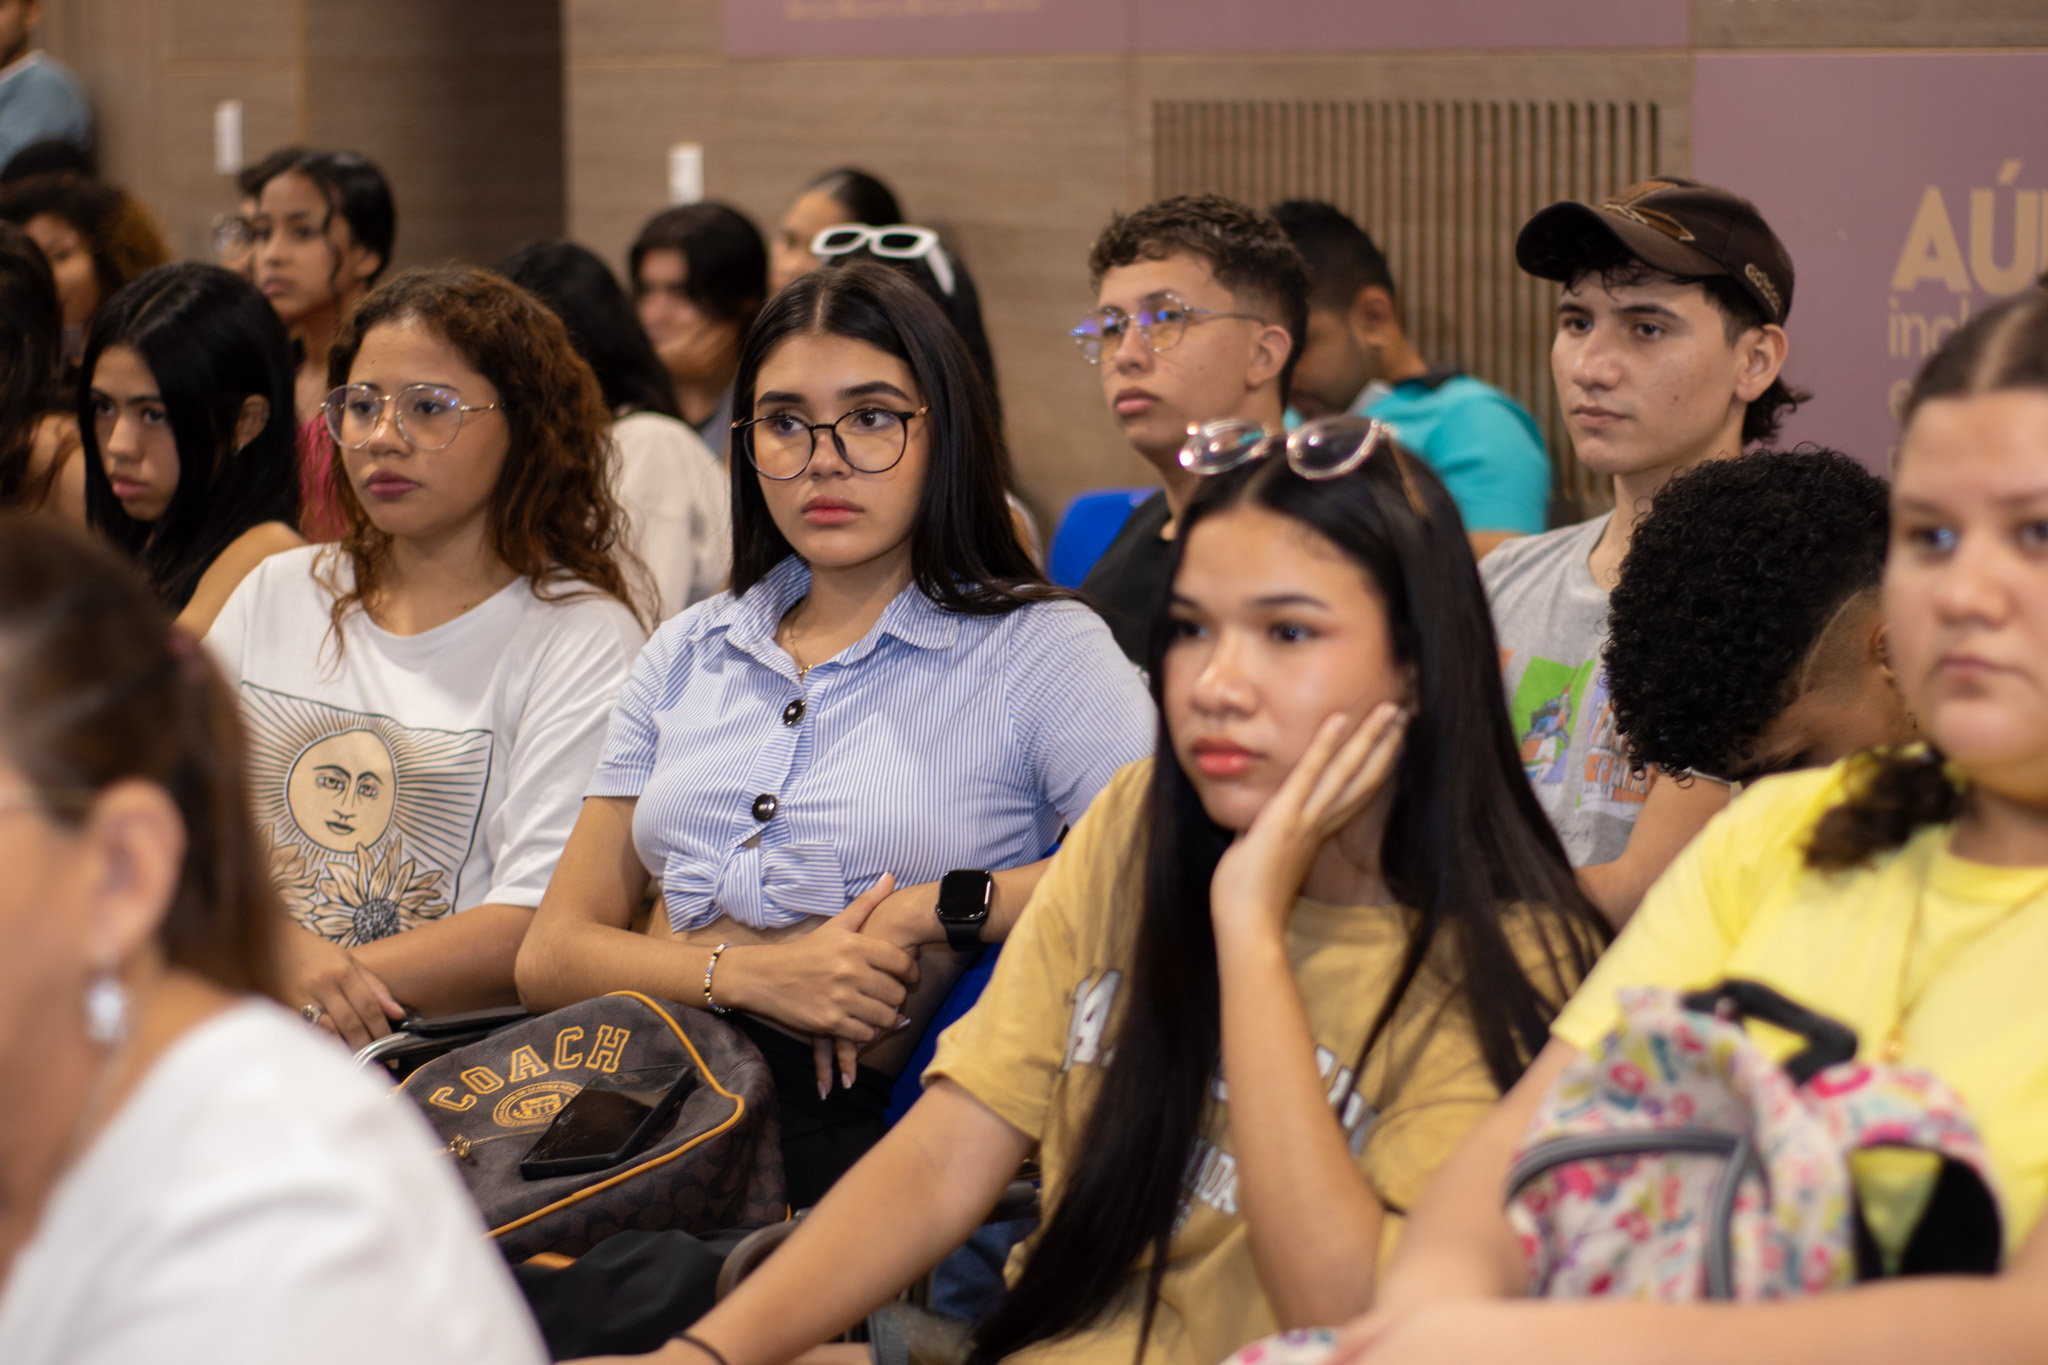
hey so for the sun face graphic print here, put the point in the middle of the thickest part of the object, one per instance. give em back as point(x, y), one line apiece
point(369, 821)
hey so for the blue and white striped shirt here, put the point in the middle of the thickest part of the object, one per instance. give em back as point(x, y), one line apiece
point(937, 741)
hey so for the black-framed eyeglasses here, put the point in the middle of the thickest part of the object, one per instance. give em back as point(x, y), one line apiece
point(1160, 326)
point(870, 440)
point(428, 416)
point(1322, 448)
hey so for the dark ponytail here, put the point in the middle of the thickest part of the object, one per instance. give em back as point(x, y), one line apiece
point(97, 687)
point(1465, 842)
point(1892, 795)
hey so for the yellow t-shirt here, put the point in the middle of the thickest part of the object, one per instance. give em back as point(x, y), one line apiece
point(1741, 902)
point(1030, 1048)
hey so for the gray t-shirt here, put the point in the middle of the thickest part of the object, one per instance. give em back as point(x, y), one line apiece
point(1552, 621)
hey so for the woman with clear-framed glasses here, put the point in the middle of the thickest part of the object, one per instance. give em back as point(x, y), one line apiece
point(428, 696)
point(846, 770)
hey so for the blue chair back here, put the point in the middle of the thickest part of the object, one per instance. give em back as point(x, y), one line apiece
point(1090, 524)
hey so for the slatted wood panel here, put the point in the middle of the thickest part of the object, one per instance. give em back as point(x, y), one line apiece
point(1442, 186)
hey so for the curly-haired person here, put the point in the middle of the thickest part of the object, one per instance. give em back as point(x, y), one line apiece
point(1746, 635)
point(97, 237)
point(426, 699)
point(1201, 305)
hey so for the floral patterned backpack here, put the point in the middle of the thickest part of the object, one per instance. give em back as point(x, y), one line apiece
point(1677, 1161)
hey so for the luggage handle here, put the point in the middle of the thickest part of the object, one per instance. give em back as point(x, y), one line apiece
point(1829, 1042)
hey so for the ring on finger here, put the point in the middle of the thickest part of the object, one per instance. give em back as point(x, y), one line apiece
point(312, 1012)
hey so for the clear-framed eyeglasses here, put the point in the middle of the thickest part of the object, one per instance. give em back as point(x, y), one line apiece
point(428, 416)
point(1323, 448)
point(1161, 325)
point(234, 236)
point(898, 242)
point(869, 440)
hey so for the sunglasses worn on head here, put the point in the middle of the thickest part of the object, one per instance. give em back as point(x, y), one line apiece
point(1324, 448)
point(900, 242)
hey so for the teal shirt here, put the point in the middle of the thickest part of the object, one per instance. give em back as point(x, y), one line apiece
point(1481, 443)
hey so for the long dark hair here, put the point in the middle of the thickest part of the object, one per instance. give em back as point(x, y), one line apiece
point(1890, 795)
point(96, 687)
point(1464, 841)
point(31, 334)
point(964, 553)
point(725, 262)
point(354, 188)
point(580, 290)
point(863, 195)
point(210, 341)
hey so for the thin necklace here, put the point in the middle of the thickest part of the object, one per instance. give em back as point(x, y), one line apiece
point(803, 670)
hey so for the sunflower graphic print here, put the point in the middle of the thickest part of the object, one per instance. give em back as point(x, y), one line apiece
point(369, 822)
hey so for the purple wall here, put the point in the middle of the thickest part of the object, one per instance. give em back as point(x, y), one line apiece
point(1368, 25)
point(1912, 191)
point(908, 28)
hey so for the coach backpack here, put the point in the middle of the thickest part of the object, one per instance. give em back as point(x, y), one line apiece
point(718, 1164)
point(1677, 1161)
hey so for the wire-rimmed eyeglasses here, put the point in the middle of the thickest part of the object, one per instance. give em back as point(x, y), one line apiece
point(871, 440)
point(1161, 325)
point(428, 416)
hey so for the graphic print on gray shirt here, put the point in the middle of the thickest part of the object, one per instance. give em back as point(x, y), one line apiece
point(1551, 618)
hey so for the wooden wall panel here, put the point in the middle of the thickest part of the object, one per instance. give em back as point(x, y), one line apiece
point(459, 100)
point(635, 30)
point(1017, 162)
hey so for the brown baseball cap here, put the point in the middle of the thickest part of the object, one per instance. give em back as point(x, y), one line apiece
point(1671, 224)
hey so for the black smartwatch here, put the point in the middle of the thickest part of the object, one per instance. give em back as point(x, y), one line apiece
point(964, 897)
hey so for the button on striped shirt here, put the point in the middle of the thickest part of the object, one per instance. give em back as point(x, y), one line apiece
point(937, 741)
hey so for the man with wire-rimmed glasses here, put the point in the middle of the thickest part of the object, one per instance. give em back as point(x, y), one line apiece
point(1201, 304)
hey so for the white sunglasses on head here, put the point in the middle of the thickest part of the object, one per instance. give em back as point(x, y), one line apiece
point(898, 242)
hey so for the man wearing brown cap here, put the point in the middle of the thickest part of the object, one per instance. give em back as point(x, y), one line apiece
point(1669, 346)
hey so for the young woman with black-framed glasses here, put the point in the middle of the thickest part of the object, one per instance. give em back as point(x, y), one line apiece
point(888, 693)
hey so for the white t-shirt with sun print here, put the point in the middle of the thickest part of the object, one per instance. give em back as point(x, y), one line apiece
point(406, 777)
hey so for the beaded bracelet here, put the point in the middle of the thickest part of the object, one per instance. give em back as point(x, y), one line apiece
point(709, 968)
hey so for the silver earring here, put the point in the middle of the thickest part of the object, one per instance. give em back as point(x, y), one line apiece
point(106, 1009)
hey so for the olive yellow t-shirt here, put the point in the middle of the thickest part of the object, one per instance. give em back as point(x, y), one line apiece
point(1031, 1047)
point(1962, 944)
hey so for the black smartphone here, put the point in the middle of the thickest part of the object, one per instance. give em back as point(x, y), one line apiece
point(608, 1121)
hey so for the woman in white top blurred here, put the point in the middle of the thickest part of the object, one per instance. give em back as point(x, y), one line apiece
point(678, 514)
point(187, 1171)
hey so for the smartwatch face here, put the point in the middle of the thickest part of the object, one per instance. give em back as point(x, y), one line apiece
point(964, 895)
